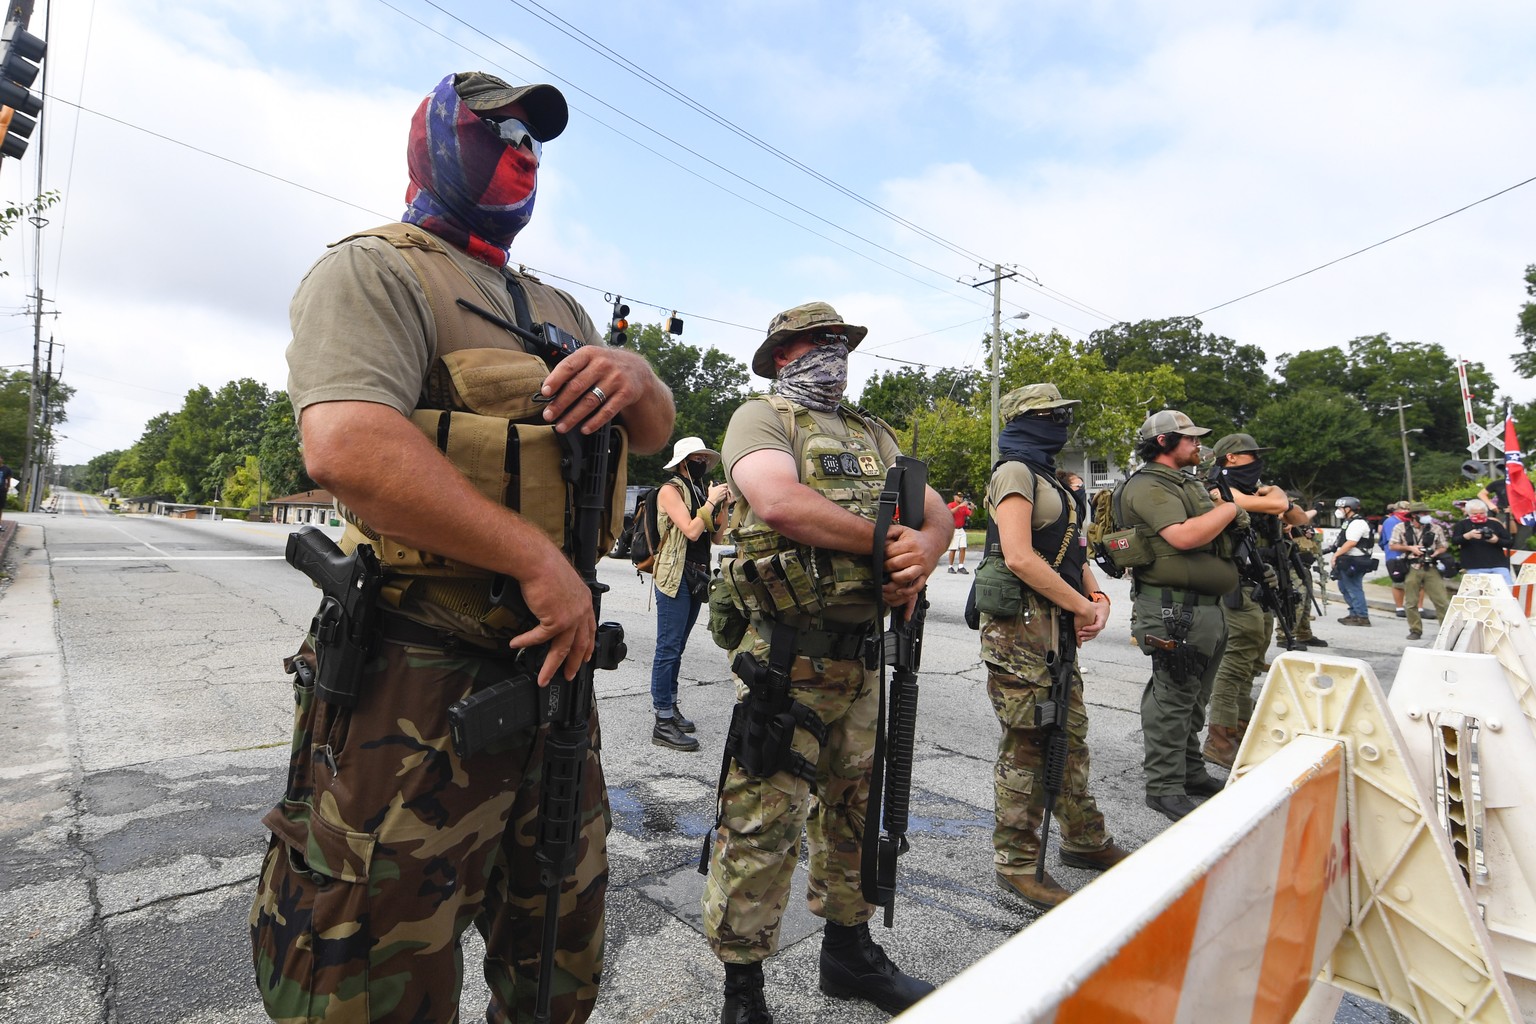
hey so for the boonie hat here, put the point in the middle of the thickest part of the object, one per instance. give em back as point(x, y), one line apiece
point(687, 446)
point(1030, 398)
point(487, 94)
point(1238, 444)
point(1170, 421)
point(1401, 506)
point(808, 317)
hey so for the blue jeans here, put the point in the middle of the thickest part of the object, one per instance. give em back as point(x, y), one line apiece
point(1499, 571)
point(1352, 586)
point(675, 617)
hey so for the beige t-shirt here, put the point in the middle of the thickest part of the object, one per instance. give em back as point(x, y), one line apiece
point(756, 425)
point(363, 331)
point(1018, 478)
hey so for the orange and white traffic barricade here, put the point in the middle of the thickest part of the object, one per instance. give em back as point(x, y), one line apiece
point(1323, 867)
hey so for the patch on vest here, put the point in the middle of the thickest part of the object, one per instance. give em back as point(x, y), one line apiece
point(847, 464)
point(868, 464)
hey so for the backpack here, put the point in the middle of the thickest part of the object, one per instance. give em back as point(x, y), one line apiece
point(643, 535)
point(1113, 548)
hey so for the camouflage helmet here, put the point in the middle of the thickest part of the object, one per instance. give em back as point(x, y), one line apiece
point(808, 317)
point(1030, 398)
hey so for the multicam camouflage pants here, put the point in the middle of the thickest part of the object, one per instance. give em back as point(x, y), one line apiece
point(386, 847)
point(758, 842)
point(1248, 630)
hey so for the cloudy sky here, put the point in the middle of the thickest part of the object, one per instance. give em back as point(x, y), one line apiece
point(1136, 159)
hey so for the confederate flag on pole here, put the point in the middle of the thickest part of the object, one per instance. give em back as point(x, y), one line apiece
point(1522, 497)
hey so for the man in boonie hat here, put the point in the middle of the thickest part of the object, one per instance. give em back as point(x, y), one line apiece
point(809, 471)
point(1238, 460)
point(1176, 615)
point(394, 328)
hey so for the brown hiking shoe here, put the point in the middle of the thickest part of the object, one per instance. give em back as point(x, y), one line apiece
point(1093, 860)
point(1045, 895)
point(1220, 745)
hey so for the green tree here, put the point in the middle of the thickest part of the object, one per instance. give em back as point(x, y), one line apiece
point(15, 211)
point(1525, 328)
point(144, 470)
point(897, 396)
point(1327, 445)
point(1226, 382)
point(707, 386)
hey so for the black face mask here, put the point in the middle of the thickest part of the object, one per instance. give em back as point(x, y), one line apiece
point(1245, 478)
point(1033, 439)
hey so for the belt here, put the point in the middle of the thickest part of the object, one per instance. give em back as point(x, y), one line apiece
point(1179, 596)
point(397, 629)
point(831, 644)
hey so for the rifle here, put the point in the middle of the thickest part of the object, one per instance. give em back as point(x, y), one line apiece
point(901, 647)
point(1051, 715)
point(343, 627)
point(584, 465)
point(1251, 565)
point(1281, 551)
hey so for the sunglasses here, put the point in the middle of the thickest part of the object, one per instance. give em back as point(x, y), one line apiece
point(514, 133)
point(1062, 415)
point(828, 338)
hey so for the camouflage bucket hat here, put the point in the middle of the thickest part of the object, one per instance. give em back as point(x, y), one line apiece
point(1238, 444)
point(487, 94)
point(1030, 398)
point(1170, 421)
point(809, 317)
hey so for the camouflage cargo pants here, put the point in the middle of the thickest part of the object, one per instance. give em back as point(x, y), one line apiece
point(758, 843)
point(1248, 630)
point(386, 847)
point(1017, 784)
point(1424, 580)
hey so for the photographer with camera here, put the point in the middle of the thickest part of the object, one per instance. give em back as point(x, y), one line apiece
point(1422, 542)
point(1484, 543)
point(1352, 560)
point(961, 508)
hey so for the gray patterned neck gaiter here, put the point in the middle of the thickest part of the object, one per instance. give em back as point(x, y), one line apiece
point(817, 379)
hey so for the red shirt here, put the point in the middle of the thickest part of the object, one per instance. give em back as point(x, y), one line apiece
point(961, 512)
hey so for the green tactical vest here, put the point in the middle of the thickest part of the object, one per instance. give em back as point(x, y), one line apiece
point(477, 406)
point(774, 577)
point(1207, 569)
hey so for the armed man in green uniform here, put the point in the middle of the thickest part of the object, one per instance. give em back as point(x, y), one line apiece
point(809, 471)
point(1176, 615)
point(1248, 624)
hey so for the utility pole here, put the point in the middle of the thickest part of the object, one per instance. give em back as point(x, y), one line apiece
point(996, 281)
point(1402, 432)
point(29, 472)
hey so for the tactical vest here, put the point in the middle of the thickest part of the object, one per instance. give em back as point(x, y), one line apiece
point(774, 577)
point(1000, 593)
point(1206, 569)
point(477, 406)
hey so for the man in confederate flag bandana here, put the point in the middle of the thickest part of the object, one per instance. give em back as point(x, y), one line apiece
point(387, 844)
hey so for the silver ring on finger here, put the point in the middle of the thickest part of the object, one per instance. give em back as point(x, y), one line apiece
point(598, 394)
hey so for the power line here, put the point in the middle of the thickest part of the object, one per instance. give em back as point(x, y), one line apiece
point(1357, 252)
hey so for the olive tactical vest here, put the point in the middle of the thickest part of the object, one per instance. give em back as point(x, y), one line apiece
point(1207, 569)
point(776, 578)
point(477, 406)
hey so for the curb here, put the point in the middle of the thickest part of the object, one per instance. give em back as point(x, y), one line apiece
point(7, 534)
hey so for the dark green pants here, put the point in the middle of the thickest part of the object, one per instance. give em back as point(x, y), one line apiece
point(1248, 628)
point(1173, 709)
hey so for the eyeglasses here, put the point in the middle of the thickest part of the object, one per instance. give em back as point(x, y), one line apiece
point(514, 133)
point(828, 338)
point(1062, 415)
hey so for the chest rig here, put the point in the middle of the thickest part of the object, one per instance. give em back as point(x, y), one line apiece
point(477, 405)
point(772, 576)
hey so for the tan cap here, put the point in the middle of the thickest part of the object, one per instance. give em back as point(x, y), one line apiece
point(1238, 444)
point(808, 317)
point(1170, 421)
point(1031, 398)
point(687, 446)
point(487, 94)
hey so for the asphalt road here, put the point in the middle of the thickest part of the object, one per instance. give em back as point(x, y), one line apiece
point(147, 720)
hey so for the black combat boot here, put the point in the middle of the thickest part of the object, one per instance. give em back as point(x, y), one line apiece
point(668, 734)
point(744, 1003)
point(685, 724)
point(853, 966)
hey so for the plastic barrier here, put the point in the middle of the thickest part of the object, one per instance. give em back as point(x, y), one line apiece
point(1323, 860)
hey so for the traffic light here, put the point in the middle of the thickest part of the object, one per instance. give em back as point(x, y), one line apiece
point(1473, 469)
point(618, 335)
point(19, 106)
point(674, 324)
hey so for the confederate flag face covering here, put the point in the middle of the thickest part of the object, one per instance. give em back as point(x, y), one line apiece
point(467, 185)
